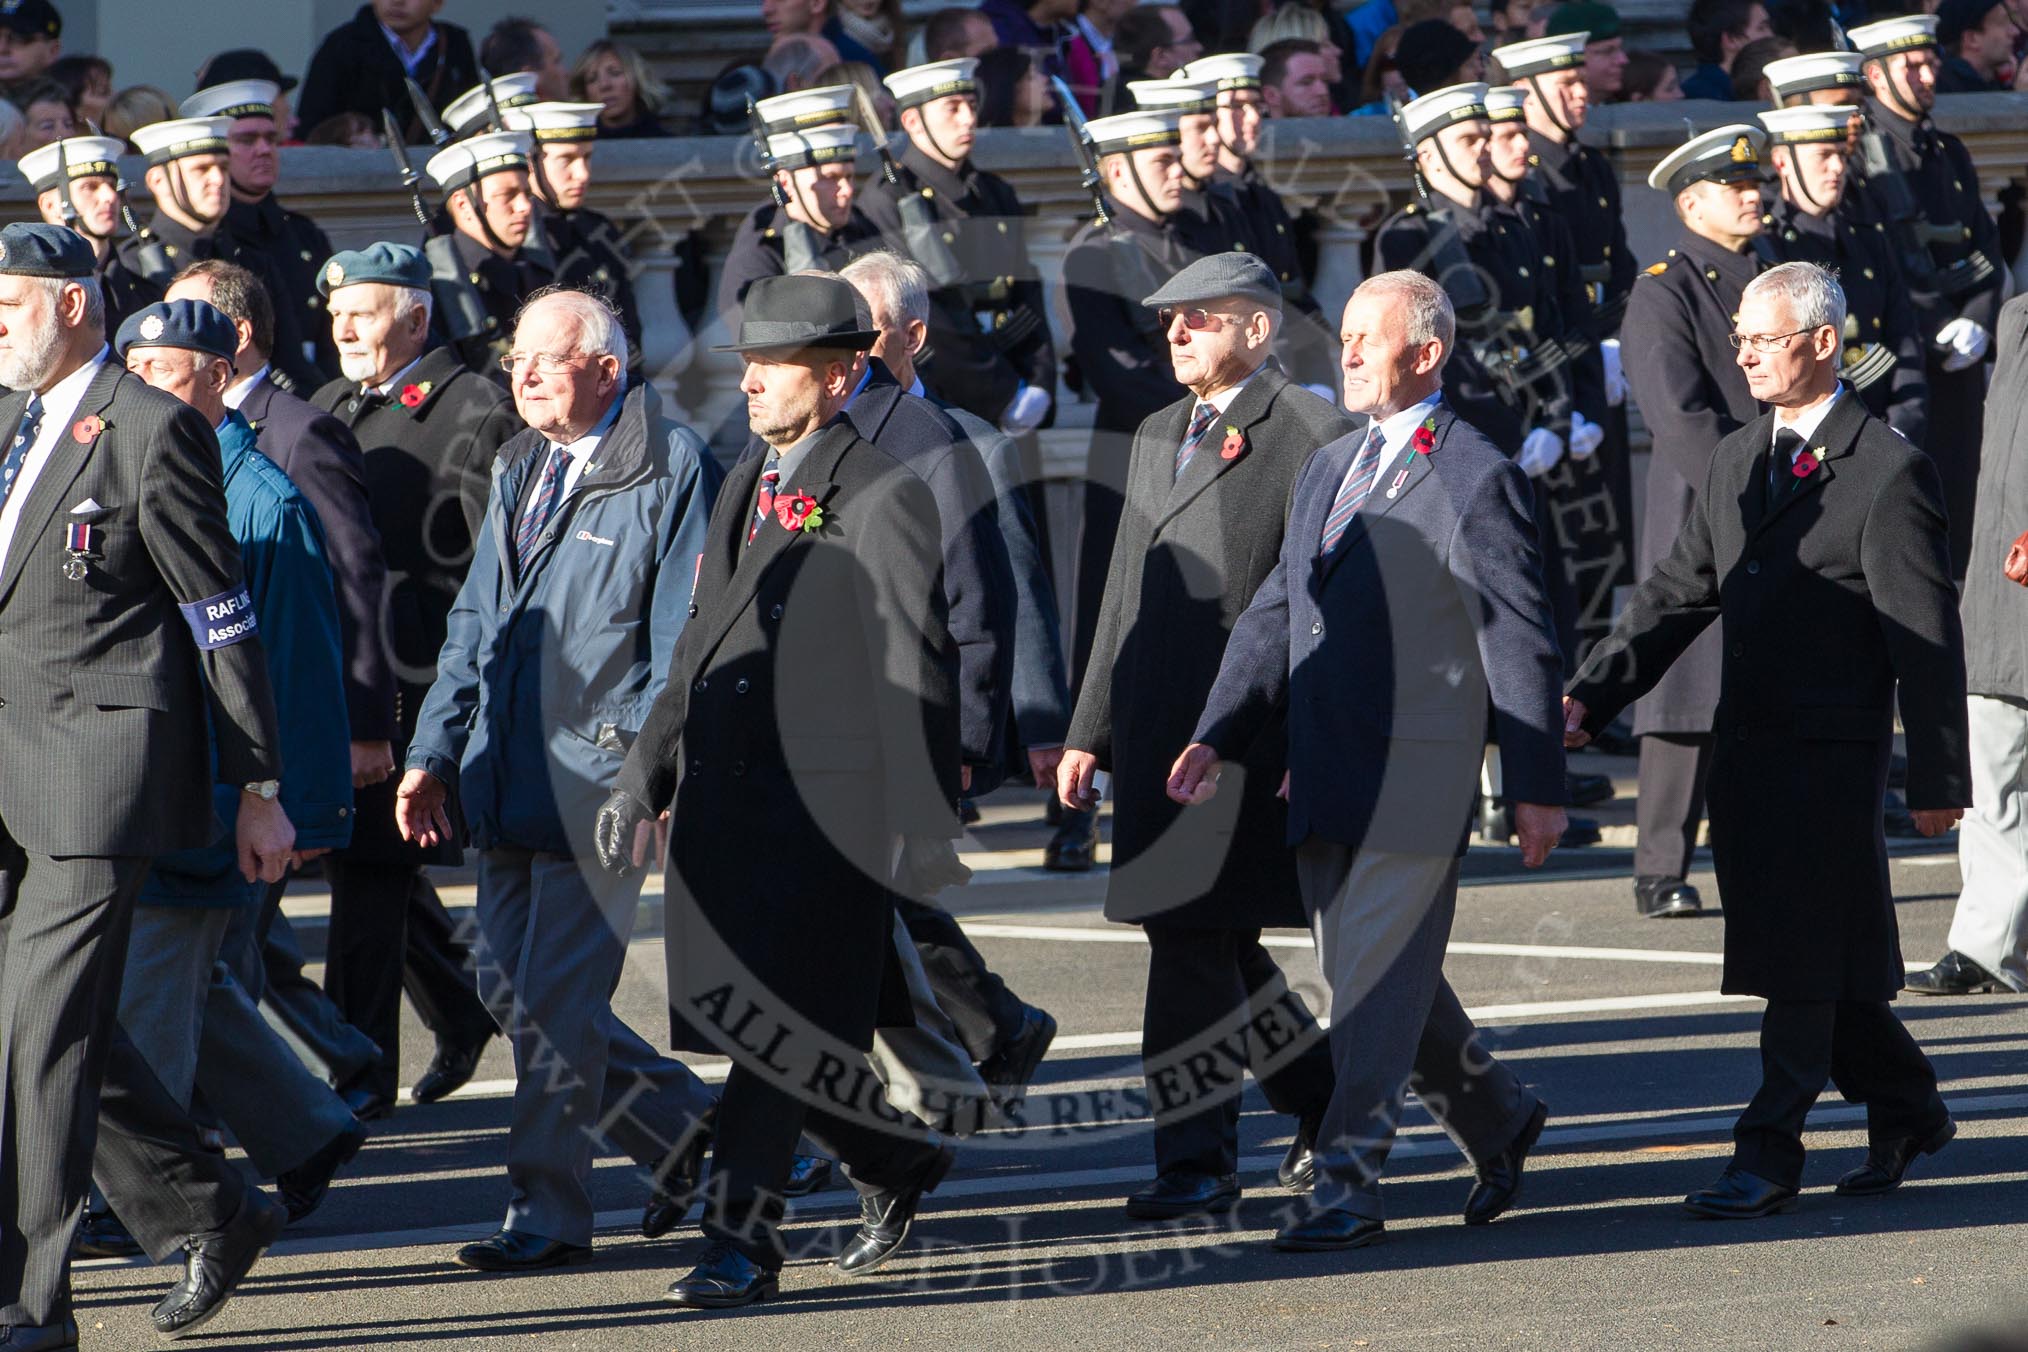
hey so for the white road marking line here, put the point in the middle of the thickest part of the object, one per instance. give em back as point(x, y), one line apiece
point(1416, 1143)
point(1078, 934)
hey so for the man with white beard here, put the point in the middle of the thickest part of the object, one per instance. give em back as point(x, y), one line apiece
point(428, 429)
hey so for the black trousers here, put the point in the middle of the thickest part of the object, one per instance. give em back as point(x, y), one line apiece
point(1104, 503)
point(1217, 1005)
point(982, 1009)
point(390, 933)
point(154, 1171)
point(1860, 1047)
point(759, 1124)
point(1675, 767)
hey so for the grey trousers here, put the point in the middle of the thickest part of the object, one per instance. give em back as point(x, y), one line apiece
point(552, 943)
point(1991, 924)
point(926, 1069)
point(1382, 922)
point(162, 992)
point(1670, 807)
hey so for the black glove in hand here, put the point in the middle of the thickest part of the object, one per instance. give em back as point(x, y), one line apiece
point(614, 829)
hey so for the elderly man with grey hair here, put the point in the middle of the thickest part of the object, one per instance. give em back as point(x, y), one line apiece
point(1405, 620)
point(559, 642)
point(1818, 545)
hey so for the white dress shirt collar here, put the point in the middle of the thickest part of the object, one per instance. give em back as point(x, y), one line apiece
point(59, 407)
point(1222, 401)
point(387, 388)
point(1397, 428)
point(1806, 423)
point(236, 396)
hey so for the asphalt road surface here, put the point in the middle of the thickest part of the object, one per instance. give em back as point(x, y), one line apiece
point(1616, 1021)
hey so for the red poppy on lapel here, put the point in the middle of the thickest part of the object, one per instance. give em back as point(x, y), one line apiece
point(86, 430)
point(799, 511)
point(413, 395)
point(1424, 440)
point(1234, 445)
point(1805, 465)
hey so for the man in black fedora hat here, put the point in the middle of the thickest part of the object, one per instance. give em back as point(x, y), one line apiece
point(813, 690)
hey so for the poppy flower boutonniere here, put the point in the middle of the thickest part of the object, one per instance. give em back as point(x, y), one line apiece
point(1424, 440)
point(1234, 445)
point(1806, 465)
point(799, 512)
point(88, 429)
point(412, 395)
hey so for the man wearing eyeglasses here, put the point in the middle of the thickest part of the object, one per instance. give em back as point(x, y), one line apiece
point(560, 640)
point(1817, 544)
point(1206, 497)
point(1681, 371)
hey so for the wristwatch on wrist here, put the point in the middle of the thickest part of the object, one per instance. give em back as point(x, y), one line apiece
point(268, 789)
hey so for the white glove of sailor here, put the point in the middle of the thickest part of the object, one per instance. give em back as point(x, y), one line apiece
point(1967, 342)
point(1585, 437)
point(1615, 378)
point(1025, 411)
point(1540, 450)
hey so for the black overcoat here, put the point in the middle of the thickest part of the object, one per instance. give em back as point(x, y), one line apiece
point(1832, 603)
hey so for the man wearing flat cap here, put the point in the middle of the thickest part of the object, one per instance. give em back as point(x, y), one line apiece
point(428, 432)
point(1206, 497)
point(126, 614)
point(813, 691)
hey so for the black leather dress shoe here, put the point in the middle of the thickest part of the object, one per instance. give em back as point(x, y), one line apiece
point(1499, 1183)
point(676, 1184)
point(723, 1278)
point(302, 1188)
point(1954, 974)
point(38, 1337)
point(1589, 790)
point(1329, 1229)
point(1298, 1171)
point(1012, 1068)
point(1052, 810)
point(1579, 832)
point(1615, 739)
point(368, 1105)
point(884, 1216)
point(519, 1251)
point(1885, 1164)
point(1663, 898)
point(214, 1265)
point(448, 1071)
point(1182, 1193)
point(1074, 847)
point(808, 1174)
point(103, 1235)
point(1739, 1195)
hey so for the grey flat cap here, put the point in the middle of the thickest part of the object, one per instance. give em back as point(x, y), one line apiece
point(1216, 276)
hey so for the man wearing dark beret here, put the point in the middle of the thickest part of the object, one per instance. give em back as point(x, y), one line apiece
point(1605, 56)
point(127, 619)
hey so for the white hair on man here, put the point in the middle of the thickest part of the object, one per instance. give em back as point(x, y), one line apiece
point(1426, 309)
point(1813, 295)
point(902, 284)
point(408, 297)
point(599, 331)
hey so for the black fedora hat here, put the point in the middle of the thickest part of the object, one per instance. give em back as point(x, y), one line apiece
point(794, 313)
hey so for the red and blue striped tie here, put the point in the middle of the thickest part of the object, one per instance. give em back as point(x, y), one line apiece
point(541, 508)
point(1199, 425)
point(1352, 493)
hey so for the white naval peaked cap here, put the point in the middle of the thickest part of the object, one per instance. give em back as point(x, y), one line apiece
point(234, 98)
point(816, 146)
point(806, 108)
point(555, 121)
point(1538, 56)
point(1504, 104)
point(1727, 154)
point(1816, 70)
point(180, 137)
point(1134, 131)
point(933, 80)
point(1423, 118)
point(472, 108)
point(1902, 34)
point(1809, 122)
point(1184, 95)
point(477, 156)
point(85, 156)
point(1232, 70)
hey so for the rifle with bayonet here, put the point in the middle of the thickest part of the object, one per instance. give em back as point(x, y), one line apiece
point(426, 115)
point(410, 179)
point(1080, 144)
point(920, 230)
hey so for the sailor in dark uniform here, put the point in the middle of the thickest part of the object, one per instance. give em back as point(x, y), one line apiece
point(1924, 189)
point(989, 346)
point(1819, 219)
point(479, 273)
point(588, 251)
point(1208, 217)
point(77, 184)
point(1685, 376)
point(188, 179)
point(813, 221)
point(288, 243)
point(1122, 356)
point(1820, 78)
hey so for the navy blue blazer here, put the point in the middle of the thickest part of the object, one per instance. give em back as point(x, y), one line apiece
point(1392, 652)
point(322, 459)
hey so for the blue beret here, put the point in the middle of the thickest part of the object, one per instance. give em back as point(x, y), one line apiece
point(194, 324)
point(394, 264)
point(45, 251)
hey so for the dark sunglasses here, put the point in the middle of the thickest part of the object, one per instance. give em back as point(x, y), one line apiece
point(1195, 317)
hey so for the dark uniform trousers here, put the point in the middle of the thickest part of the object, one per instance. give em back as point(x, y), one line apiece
point(1193, 1081)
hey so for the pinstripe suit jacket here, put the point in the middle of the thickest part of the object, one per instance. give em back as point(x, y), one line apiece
point(103, 685)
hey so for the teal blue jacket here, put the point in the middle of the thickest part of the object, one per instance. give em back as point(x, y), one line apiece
point(281, 545)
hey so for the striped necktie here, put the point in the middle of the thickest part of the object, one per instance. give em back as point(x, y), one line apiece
point(1200, 422)
point(24, 440)
point(541, 507)
point(764, 500)
point(1352, 492)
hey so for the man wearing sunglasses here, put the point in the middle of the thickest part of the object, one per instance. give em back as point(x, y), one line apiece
point(1816, 550)
point(1206, 498)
